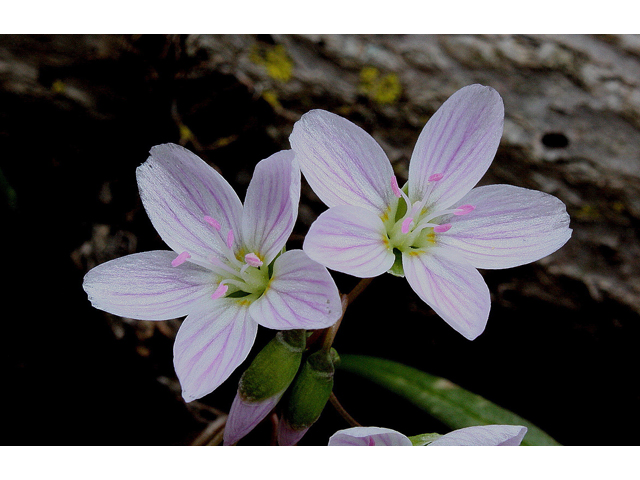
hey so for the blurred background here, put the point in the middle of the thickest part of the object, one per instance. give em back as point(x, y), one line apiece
point(79, 113)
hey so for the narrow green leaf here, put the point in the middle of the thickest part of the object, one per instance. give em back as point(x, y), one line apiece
point(442, 399)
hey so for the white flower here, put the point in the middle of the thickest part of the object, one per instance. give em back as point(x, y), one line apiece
point(225, 273)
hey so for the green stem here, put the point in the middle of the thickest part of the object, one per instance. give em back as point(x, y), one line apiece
point(346, 299)
point(343, 413)
point(330, 333)
point(357, 290)
point(274, 429)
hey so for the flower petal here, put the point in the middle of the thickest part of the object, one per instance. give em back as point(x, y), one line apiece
point(211, 343)
point(454, 289)
point(145, 286)
point(301, 294)
point(487, 435)
point(368, 436)
point(178, 190)
point(287, 436)
point(271, 205)
point(509, 226)
point(350, 240)
point(343, 164)
point(245, 416)
point(459, 142)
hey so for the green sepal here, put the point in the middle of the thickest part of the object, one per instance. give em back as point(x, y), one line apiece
point(424, 439)
point(270, 266)
point(310, 391)
point(335, 358)
point(273, 369)
point(238, 294)
point(397, 269)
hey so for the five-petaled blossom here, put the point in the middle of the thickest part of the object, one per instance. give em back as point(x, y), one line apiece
point(438, 229)
point(488, 435)
point(226, 273)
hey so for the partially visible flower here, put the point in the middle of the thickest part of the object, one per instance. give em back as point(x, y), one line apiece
point(369, 437)
point(226, 272)
point(488, 435)
point(438, 229)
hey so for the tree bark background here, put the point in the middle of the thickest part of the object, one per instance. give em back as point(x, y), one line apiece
point(79, 113)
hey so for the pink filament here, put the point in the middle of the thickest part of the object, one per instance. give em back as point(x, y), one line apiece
point(406, 224)
point(213, 222)
point(180, 259)
point(464, 209)
point(220, 291)
point(230, 239)
point(435, 177)
point(394, 187)
point(442, 228)
point(252, 259)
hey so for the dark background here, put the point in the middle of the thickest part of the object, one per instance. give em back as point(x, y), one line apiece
point(78, 114)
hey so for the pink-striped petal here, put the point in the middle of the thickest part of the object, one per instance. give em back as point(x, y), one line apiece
point(211, 343)
point(343, 164)
point(458, 142)
point(368, 437)
point(245, 416)
point(350, 240)
point(300, 295)
point(488, 435)
point(509, 226)
point(453, 288)
point(145, 286)
point(178, 191)
point(271, 205)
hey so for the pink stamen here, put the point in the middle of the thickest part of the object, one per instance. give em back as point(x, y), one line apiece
point(435, 177)
point(230, 239)
point(442, 228)
point(180, 259)
point(394, 186)
point(406, 224)
point(464, 209)
point(213, 222)
point(220, 291)
point(252, 259)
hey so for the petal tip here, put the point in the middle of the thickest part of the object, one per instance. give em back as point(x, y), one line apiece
point(287, 436)
point(189, 397)
point(245, 416)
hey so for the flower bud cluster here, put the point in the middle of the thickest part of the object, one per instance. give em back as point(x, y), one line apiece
point(275, 371)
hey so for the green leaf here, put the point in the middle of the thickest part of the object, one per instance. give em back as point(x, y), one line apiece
point(442, 399)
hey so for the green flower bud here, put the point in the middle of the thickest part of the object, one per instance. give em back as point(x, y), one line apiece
point(264, 382)
point(274, 367)
point(307, 397)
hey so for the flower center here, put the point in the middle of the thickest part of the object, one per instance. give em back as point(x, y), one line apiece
point(414, 225)
point(238, 275)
